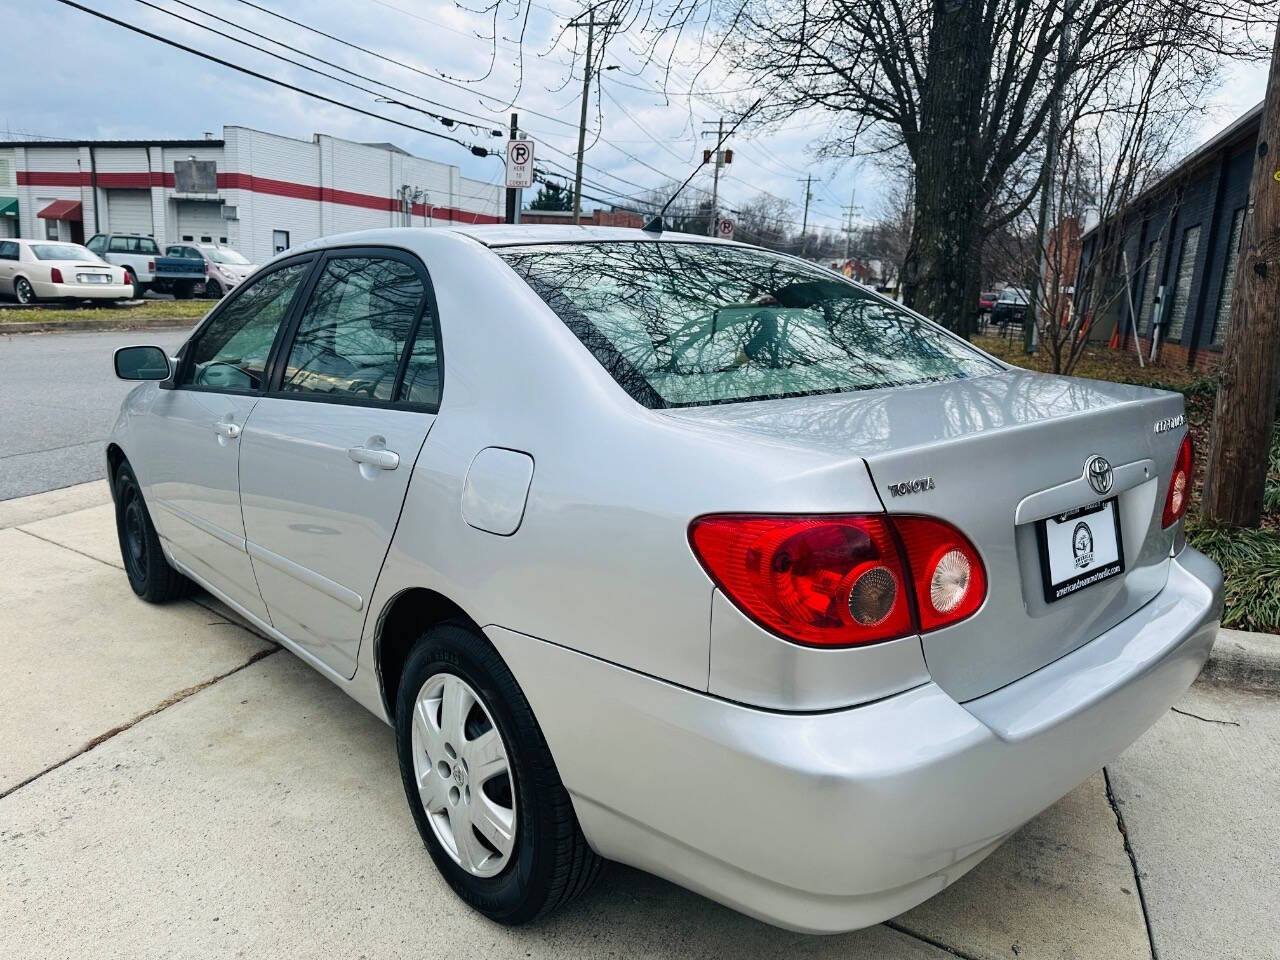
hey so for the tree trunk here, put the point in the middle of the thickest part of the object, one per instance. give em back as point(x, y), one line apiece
point(1245, 412)
point(943, 277)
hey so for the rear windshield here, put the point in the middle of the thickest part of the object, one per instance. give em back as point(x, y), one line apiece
point(684, 324)
point(62, 251)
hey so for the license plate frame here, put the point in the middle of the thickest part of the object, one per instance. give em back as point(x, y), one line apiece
point(1091, 572)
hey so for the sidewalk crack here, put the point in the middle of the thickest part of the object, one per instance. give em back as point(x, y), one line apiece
point(1133, 863)
point(1188, 713)
point(938, 944)
point(55, 543)
point(163, 705)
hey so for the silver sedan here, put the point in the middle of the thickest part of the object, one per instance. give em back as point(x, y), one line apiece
point(674, 552)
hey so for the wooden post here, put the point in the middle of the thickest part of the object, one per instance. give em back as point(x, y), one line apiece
point(1245, 412)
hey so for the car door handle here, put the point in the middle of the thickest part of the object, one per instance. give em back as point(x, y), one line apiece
point(383, 459)
point(224, 429)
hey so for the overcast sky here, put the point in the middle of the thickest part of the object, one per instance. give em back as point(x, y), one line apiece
point(69, 75)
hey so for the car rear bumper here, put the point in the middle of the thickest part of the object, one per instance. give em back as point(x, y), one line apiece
point(82, 291)
point(826, 822)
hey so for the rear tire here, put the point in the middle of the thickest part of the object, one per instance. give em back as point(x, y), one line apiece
point(23, 291)
point(131, 279)
point(148, 571)
point(549, 861)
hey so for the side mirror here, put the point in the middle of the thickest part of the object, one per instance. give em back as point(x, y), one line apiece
point(141, 363)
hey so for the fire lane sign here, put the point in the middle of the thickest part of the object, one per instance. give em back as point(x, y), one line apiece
point(519, 163)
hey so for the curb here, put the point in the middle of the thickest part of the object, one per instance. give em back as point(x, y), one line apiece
point(1245, 659)
point(123, 323)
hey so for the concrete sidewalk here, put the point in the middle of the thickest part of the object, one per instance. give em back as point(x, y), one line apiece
point(173, 785)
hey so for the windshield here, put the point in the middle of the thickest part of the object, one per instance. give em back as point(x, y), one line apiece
point(62, 251)
point(225, 255)
point(683, 324)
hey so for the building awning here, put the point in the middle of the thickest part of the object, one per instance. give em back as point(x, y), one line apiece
point(8, 206)
point(62, 210)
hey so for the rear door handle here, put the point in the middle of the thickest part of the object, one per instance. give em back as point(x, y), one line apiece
point(381, 458)
point(224, 429)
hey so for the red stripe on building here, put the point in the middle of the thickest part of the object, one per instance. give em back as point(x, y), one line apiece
point(245, 181)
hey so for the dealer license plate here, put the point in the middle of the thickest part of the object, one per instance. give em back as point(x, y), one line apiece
point(1079, 548)
point(92, 277)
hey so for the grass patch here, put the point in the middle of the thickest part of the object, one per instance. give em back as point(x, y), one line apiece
point(180, 310)
point(1249, 558)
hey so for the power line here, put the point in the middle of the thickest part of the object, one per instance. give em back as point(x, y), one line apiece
point(448, 121)
point(478, 151)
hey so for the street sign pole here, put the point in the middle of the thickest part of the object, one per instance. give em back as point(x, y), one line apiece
point(513, 196)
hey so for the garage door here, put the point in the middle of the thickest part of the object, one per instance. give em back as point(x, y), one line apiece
point(129, 211)
point(201, 221)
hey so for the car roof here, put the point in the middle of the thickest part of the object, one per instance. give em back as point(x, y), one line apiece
point(502, 234)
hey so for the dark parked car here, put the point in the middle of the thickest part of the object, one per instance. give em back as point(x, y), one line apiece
point(1010, 306)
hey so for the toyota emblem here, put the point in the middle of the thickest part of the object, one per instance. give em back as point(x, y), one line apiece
point(1098, 472)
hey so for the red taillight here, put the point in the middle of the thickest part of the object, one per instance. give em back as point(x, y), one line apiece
point(55, 275)
point(950, 582)
point(837, 581)
point(151, 266)
point(1179, 495)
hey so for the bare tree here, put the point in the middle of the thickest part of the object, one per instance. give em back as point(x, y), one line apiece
point(963, 87)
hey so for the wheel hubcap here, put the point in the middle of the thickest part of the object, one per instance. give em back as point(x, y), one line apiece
point(463, 774)
point(24, 291)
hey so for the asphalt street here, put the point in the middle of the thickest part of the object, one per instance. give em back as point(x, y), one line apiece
point(60, 399)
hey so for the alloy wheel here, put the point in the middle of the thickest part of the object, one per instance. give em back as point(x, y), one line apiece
point(23, 291)
point(463, 775)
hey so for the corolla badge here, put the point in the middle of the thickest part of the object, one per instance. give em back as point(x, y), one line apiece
point(1097, 471)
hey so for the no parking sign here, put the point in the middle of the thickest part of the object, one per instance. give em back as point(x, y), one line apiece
point(724, 228)
point(519, 164)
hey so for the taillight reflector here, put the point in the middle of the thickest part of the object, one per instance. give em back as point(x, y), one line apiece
point(1179, 495)
point(845, 580)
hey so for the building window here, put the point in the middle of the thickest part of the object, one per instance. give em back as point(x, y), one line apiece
point(51, 229)
point(1222, 317)
point(280, 241)
point(1182, 287)
point(1150, 284)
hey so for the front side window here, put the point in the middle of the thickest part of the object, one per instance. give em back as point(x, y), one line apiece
point(124, 244)
point(354, 329)
point(683, 324)
point(232, 350)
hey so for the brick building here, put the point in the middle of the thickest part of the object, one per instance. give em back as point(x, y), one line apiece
point(593, 218)
point(1182, 241)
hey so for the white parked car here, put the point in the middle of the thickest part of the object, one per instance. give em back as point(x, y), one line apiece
point(32, 270)
point(672, 551)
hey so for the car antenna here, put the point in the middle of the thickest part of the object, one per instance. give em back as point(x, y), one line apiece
point(654, 226)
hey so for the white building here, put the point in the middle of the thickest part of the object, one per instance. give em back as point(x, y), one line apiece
point(256, 191)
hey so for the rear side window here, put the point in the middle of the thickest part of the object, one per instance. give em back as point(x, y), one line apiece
point(684, 324)
point(355, 329)
point(231, 352)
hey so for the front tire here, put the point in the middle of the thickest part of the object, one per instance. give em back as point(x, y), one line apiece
point(23, 291)
point(149, 572)
point(481, 783)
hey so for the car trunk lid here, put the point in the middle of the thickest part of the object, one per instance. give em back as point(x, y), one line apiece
point(994, 456)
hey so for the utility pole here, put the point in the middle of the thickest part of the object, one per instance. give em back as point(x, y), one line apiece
point(721, 156)
point(1030, 328)
point(513, 202)
point(1244, 412)
point(586, 94)
point(848, 221)
point(804, 224)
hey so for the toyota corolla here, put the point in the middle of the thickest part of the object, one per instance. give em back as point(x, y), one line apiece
point(674, 552)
